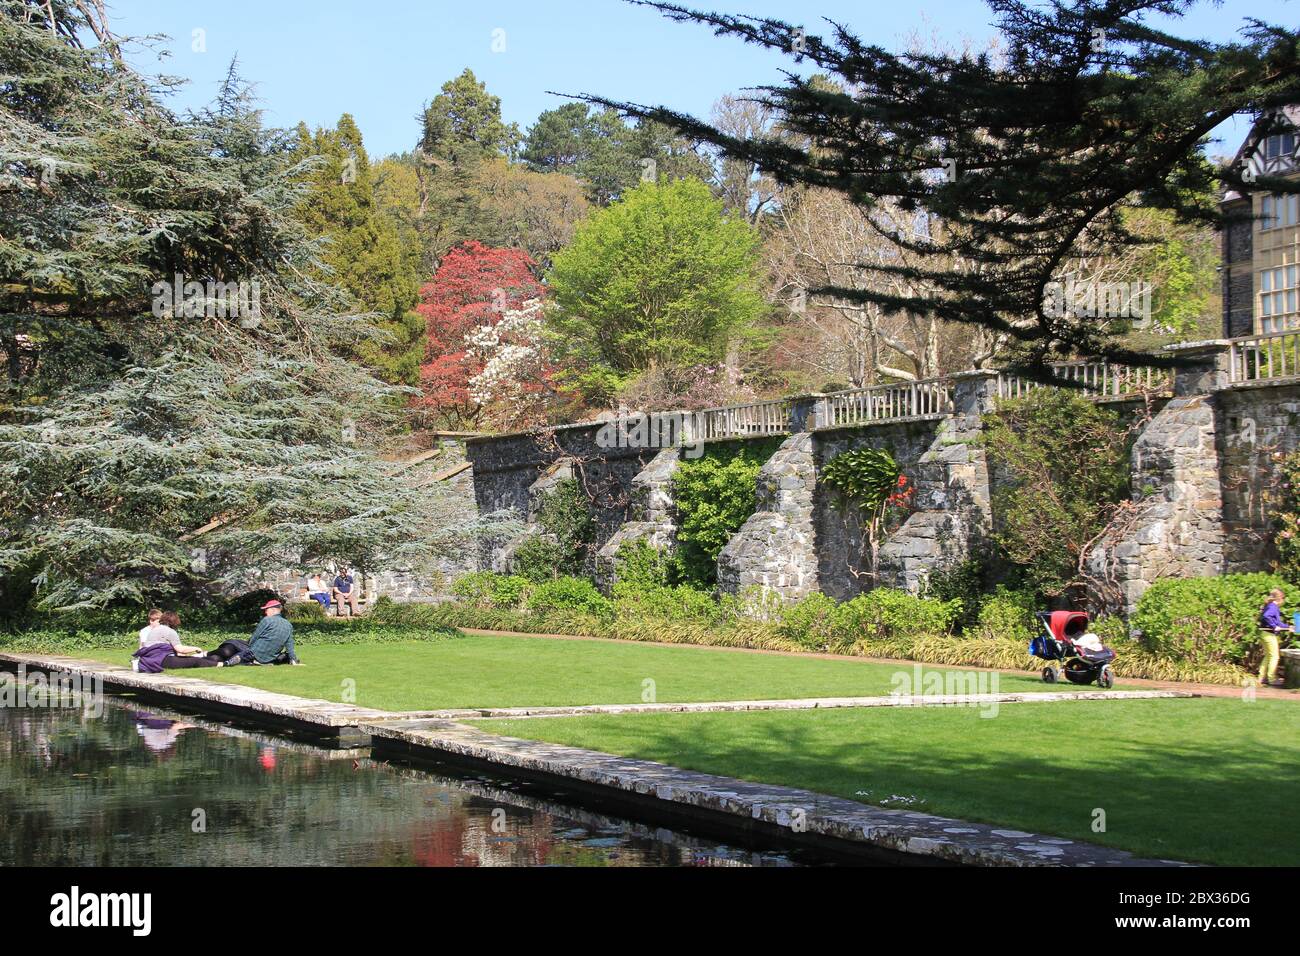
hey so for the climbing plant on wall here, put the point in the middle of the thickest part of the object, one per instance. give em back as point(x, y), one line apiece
point(715, 495)
point(870, 484)
point(568, 534)
point(1287, 516)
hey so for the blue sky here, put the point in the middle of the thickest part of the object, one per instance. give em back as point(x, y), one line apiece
point(314, 60)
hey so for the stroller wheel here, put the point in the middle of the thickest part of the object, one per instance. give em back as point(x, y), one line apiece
point(1051, 675)
point(1106, 679)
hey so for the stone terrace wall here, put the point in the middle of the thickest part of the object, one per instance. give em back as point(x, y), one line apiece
point(1257, 426)
point(777, 547)
point(653, 514)
point(506, 467)
point(1203, 470)
point(838, 540)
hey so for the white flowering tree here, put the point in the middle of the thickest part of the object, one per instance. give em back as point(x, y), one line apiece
point(514, 381)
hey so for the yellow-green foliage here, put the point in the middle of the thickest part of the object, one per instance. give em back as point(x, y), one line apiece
point(889, 625)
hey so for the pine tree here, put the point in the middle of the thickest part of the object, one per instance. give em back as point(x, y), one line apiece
point(143, 402)
point(1015, 164)
point(362, 251)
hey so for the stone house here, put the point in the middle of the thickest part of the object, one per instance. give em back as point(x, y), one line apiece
point(1261, 239)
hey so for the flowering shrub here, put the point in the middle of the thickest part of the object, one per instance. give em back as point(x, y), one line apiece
point(871, 481)
point(512, 360)
point(463, 378)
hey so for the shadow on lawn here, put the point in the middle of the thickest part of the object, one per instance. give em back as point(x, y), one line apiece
point(1195, 801)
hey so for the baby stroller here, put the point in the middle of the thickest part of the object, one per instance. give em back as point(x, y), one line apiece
point(1058, 645)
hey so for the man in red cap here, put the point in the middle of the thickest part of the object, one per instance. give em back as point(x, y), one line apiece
point(272, 642)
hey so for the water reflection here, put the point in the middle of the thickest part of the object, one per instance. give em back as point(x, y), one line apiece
point(136, 787)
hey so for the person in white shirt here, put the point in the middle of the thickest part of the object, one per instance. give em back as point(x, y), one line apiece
point(154, 617)
point(318, 590)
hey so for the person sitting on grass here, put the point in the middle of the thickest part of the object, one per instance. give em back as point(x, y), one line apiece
point(272, 641)
point(1272, 627)
point(345, 592)
point(154, 617)
point(161, 648)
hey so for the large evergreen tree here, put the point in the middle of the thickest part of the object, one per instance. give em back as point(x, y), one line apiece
point(463, 123)
point(1014, 164)
point(159, 434)
point(606, 154)
point(362, 252)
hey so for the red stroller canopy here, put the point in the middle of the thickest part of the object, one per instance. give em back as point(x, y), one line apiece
point(1067, 625)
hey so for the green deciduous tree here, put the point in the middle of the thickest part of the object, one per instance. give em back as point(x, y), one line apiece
point(661, 277)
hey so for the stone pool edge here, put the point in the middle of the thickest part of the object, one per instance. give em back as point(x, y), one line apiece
point(792, 816)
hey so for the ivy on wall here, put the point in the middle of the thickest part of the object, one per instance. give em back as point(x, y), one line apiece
point(567, 539)
point(715, 495)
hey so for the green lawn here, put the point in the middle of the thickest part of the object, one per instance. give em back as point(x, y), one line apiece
point(1214, 781)
point(476, 671)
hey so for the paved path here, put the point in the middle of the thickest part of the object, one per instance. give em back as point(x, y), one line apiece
point(813, 703)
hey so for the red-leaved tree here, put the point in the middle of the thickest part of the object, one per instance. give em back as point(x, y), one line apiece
point(474, 289)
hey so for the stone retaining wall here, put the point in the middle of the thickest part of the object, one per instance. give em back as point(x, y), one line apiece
point(776, 550)
point(1256, 427)
point(1204, 473)
point(838, 543)
point(507, 468)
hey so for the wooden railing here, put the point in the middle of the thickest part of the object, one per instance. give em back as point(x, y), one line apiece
point(884, 403)
point(1262, 357)
point(744, 421)
point(1096, 379)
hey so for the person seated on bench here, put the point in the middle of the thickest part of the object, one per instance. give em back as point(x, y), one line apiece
point(1272, 626)
point(272, 641)
point(318, 590)
point(345, 592)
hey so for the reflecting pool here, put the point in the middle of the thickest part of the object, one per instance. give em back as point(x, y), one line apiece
point(142, 786)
